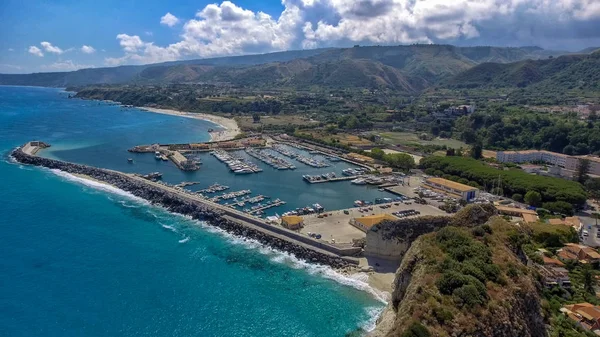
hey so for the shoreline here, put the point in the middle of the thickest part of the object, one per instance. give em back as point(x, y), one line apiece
point(229, 125)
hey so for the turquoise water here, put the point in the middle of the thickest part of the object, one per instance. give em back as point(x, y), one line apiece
point(80, 260)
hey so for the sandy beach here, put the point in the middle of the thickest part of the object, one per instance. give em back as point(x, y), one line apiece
point(229, 126)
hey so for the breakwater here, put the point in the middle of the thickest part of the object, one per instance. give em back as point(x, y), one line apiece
point(177, 202)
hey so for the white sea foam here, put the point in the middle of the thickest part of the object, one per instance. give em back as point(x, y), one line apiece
point(184, 240)
point(171, 228)
point(99, 186)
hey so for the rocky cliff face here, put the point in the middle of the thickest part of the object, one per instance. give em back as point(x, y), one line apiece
point(391, 239)
point(511, 307)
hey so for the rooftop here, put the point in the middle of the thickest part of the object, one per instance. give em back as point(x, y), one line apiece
point(292, 219)
point(451, 184)
point(371, 220)
point(516, 210)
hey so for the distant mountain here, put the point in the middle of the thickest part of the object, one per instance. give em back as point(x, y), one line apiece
point(404, 68)
point(564, 72)
point(588, 50)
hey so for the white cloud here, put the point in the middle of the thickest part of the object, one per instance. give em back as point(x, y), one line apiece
point(227, 29)
point(87, 49)
point(11, 50)
point(10, 66)
point(169, 20)
point(36, 51)
point(48, 47)
point(67, 65)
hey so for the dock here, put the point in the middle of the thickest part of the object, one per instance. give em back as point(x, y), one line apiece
point(275, 204)
point(331, 180)
point(187, 183)
point(182, 162)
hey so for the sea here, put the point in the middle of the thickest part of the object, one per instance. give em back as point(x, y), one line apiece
point(81, 258)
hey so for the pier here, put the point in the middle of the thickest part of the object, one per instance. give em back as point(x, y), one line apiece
point(330, 180)
point(260, 209)
point(187, 203)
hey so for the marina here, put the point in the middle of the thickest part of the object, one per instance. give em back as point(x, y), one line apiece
point(310, 161)
point(213, 188)
point(236, 164)
point(270, 159)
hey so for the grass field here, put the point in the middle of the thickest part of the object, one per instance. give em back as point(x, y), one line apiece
point(247, 123)
point(407, 138)
point(343, 138)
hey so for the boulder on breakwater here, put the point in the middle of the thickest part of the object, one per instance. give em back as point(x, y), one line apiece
point(175, 203)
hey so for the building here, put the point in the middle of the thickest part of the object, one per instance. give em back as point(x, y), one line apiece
point(528, 215)
point(366, 222)
point(360, 158)
point(577, 252)
point(585, 315)
point(570, 163)
point(453, 188)
point(572, 221)
point(292, 222)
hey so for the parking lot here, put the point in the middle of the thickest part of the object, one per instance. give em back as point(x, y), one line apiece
point(336, 224)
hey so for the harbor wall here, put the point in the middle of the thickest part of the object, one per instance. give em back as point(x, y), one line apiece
point(232, 222)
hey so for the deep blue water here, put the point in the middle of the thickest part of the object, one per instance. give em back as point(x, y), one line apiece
point(80, 260)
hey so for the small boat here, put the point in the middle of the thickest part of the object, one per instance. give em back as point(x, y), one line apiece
point(130, 160)
point(157, 155)
point(358, 181)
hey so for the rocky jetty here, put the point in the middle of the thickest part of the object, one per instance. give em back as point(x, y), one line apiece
point(177, 204)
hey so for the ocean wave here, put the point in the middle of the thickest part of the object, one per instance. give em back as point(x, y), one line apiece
point(184, 240)
point(169, 227)
point(98, 186)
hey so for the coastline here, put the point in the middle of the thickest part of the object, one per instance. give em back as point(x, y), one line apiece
point(230, 126)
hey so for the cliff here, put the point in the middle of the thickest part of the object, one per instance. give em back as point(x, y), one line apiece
point(391, 239)
point(461, 281)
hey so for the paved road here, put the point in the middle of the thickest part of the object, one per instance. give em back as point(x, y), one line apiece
point(589, 224)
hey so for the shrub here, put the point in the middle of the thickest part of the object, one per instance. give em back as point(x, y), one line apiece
point(442, 315)
point(416, 330)
point(517, 197)
point(469, 295)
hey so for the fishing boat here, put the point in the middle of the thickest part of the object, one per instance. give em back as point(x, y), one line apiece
point(157, 155)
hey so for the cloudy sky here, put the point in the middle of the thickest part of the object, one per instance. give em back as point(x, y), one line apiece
point(64, 35)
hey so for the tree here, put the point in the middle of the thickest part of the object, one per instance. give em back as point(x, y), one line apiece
point(582, 170)
point(477, 151)
point(377, 153)
point(450, 152)
point(533, 198)
point(560, 207)
point(255, 118)
point(592, 186)
point(401, 161)
point(517, 197)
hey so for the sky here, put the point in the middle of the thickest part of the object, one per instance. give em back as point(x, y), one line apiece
point(65, 35)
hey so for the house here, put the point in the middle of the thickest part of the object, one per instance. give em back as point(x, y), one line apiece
point(553, 273)
point(581, 253)
point(292, 222)
point(366, 222)
point(585, 315)
point(529, 216)
point(453, 188)
point(572, 221)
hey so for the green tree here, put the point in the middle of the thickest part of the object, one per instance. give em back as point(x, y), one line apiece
point(592, 186)
point(582, 170)
point(533, 198)
point(255, 118)
point(517, 197)
point(560, 207)
point(401, 161)
point(477, 151)
point(377, 153)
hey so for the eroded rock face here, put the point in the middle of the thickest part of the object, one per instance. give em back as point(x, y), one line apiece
point(391, 239)
point(177, 204)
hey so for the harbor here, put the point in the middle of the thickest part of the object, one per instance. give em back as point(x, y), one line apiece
point(236, 164)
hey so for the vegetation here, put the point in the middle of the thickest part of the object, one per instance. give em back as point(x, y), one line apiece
point(513, 181)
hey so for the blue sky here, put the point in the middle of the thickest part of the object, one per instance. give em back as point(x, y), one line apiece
point(51, 35)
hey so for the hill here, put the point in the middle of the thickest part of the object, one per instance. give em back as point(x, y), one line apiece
point(403, 68)
point(560, 73)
